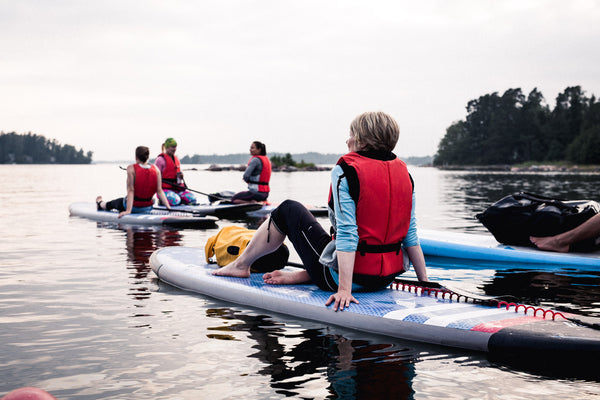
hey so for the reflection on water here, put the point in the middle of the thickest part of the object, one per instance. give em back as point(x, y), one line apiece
point(141, 243)
point(564, 292)
point(353, 368)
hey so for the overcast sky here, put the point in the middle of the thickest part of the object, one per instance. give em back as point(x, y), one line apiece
point(107, 76)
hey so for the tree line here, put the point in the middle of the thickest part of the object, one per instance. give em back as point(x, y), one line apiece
point(514, 128)
point(35, 149)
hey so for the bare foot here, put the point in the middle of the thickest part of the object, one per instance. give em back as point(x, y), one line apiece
point(99, 203)
point(233, 269)
point(549, 243)
point(286, 277)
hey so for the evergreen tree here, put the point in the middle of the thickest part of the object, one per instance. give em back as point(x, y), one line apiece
point(511, 129)
point(35, 149)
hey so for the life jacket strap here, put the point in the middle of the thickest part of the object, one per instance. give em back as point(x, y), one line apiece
point(363, 248)
point(135, 198)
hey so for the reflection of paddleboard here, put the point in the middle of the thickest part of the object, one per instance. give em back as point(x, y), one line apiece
point(407, 314)
point(226, 211)
point(157, 217)
point(317, 211)
point(468, 246)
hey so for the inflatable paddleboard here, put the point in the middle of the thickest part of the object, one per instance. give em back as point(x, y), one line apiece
point(317, 211)
point(224, 211)
point(483, 247)
point(404, 312)
point(157, 217)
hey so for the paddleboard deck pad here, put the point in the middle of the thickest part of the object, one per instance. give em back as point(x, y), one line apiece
point(403, 312)
point(224, 211)
point(482, 247)
point(156, 217)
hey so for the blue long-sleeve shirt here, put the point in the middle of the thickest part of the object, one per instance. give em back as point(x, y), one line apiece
point(345, 216)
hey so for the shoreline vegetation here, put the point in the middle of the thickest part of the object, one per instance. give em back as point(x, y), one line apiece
point(35, 149)
point(515, 129)
point(287, 162)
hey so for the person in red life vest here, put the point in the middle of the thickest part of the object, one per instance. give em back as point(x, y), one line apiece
point(173, 183)
point(143, 182)
point(372, 212)
point(257, 175)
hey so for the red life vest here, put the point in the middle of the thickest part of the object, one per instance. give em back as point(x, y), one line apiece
point(144, 186)
point(265, 174)
point(382, 191)
point(169, 174)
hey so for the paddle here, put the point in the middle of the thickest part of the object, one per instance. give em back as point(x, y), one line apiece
point(184, 187)
point(195, 213)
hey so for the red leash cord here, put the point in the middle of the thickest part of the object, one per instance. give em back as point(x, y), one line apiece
point(446, 293)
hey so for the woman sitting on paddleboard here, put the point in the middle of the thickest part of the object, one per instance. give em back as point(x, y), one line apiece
point(257, 175)
point(143, 182)
point(371, 208)
point(170, 168)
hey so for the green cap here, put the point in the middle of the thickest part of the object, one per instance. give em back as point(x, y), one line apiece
point(170, 142)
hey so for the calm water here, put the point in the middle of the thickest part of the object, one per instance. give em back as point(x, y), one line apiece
point(82, 315)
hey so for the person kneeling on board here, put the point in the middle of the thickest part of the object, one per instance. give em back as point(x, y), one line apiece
point(257, 175)
point(143, 182)
point(173, 184)
point(371, 208)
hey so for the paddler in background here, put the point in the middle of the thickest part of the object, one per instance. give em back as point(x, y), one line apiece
point(173, 183)
point(257, 175)
point(372, 211)
point(143, 182)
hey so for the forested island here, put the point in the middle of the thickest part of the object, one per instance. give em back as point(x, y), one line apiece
point(303, 158)
point(514, 128)
point(35, 149)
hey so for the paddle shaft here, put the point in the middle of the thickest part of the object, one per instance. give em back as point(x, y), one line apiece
point(178, 210)
point(176, 186)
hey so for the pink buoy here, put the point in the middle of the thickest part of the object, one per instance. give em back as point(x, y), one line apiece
point(28, 393)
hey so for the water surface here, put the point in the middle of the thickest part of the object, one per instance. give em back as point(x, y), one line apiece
point(82, 315)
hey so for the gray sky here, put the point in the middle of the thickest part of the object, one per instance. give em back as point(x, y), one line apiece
point(107, 76)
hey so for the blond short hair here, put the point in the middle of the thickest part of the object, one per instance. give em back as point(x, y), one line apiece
point(375, 131)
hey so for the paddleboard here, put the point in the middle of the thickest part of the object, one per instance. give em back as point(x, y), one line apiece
point(483, 247)
point(317, 211)
point(404, 312)
point(223, 211)
point(156, 217)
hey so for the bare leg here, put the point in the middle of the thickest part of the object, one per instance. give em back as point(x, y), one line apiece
point(257, 248)
point(562, 242)
point(286, 277)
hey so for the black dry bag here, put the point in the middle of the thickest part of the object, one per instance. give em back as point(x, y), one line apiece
point(513, 219)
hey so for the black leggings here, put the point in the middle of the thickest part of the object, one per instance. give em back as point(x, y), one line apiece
point(308, 237)
point(116, 204)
